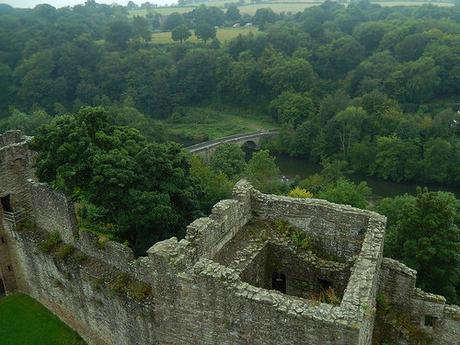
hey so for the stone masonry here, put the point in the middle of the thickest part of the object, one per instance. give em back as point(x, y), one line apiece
point(216, 286)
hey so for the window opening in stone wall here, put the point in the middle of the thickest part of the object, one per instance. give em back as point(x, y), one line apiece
point(2, 288)
point(325, 284)
point(430, 320)
point(6, 203)
point(9, 268)
point(279, 282)
point(2, 240)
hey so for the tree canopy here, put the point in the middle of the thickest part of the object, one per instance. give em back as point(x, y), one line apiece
point(144, 189)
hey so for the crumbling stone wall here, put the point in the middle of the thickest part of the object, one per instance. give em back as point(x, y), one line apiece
point(195, 297)
point(16, 166)
point(397, 284)
point(340, 230)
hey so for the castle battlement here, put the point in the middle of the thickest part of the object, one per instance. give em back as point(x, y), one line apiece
point(260, 269)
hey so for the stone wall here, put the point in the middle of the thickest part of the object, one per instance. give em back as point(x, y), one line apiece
point(7, 269)
point(52, 211)
point(340, 230)
point(16, 166)
point(10, 137)
point(183, 294)
point(208, 235)
point(397, 284)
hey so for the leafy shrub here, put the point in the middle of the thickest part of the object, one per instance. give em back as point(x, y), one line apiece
point(51, 242)
point(137, 290)
point(63, 251)
point(298, 192)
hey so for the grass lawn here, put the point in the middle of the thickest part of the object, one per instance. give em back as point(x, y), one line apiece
point(205, 123)
point(223, 35)
point(24, 321)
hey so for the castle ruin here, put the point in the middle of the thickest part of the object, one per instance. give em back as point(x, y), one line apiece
point(238, 277)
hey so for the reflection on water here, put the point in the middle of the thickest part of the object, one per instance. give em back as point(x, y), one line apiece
point(292, 167)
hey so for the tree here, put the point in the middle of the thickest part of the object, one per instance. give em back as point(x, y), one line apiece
point(228, 159)
point(282, 74)
point(233, 13)
point(27, 123)
point(396, 159)
point(144, 189)
point(216, 186)
point(205, 32)
point(119, 32)
point(349, 126)
point(264, 15)
point(346, 192)
point(141, 28)
point(438, 154)
point(292, 108)
point(263, 172)
point(181, 33)
point(427, 239)
point(173, 21)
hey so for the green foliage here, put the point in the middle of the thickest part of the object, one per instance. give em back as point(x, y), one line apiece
point(205, 32)
point(390, 322)
point(424, 234)
point(181, 33)
point(347, 192)
point(27, 123)
point(298, 192)
point(298, 237)
point(396, 159)
point(328, 296)
point(145, 189)
point(173, 21)
point(371, 85)
point(124, 284)
point(228, 159)
point(51, 242)
point(118, 33)
point(215, 186)
point(25, 321)
point(292, 108)
point(263, 172)
point(63, 251)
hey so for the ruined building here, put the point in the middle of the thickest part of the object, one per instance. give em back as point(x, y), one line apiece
point(261, 269)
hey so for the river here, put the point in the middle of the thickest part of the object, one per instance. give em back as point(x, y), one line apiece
point(292, 167)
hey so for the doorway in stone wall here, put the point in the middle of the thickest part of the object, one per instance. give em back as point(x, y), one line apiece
point(6, 203)
point(279, 282)
point(2, 289)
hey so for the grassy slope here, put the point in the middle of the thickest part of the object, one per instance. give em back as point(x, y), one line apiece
point(24, 321)
point(223, 34)
point(203, 123)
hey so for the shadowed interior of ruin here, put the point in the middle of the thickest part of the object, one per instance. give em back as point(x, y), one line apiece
point(268, 257)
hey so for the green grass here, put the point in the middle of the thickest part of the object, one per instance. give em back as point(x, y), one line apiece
point(223, 35)
point(24, 321)
point(278, 6)
point(205, 123)
point(411, 3)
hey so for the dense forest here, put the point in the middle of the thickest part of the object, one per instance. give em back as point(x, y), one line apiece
point(362, 88)
point(376, 87)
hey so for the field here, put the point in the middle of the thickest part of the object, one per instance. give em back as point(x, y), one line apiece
point(24, 321)
point(203, 123)
point(223, 34)
point(278, 6)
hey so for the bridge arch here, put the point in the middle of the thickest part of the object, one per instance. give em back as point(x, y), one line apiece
point(206, 149)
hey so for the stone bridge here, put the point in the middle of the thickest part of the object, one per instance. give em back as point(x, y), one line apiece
point(251, 140)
